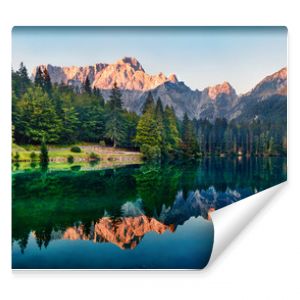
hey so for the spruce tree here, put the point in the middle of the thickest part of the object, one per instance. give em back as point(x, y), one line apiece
point(159, 116)
point(148, 102)
point(95, 92)
point(24, 81)
point(70, 124)
point(148, 136)
point(87, 85)
point(47, 86)
point(172, 132)
point(115, 99)
point(100, 98)
point(38, 117)
point(189, 142)
point(115, 128)
point(42, 79)
point(38, 79)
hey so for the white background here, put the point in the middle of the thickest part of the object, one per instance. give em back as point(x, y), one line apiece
point(263, 261)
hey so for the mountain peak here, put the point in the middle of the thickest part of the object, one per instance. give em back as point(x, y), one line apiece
point(132, 62)
point(275, 83)
point(281, 74)
point(222, 88)
point(173, 78)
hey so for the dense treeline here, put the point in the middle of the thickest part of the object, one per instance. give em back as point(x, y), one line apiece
point(255, 138)
point(56, 114)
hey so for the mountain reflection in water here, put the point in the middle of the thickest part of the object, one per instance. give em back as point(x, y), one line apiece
point(123, 207)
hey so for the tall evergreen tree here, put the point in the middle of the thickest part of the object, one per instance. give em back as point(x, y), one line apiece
point(47, 85)
point(70, 124)
point(115, 99)
point(148, 102)
point(189, 143)
point(159, 116)
point(92, 123)
point(172, 132)
point(42, 79)
point(115, 128)
point(95, 91)
point(38, 79)
point(99, 97)
point(87, 85)
point(20, 81)
point(148, 136)
point(37, 117)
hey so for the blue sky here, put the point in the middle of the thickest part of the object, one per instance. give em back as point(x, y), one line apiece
point(199, 56)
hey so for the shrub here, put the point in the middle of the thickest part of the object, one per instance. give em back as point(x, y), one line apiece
point(75, 168)
point(70, 159)
point(93, 163)
point(75, 149)
point(94, 156)
point(17, 156)
point(33, 156)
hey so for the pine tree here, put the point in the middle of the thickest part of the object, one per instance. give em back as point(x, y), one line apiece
point(92, 123)
point(159, 116)
point(172, 132)
point(70, 124)
point(47, 86)
point(99, 97)
point(38, 118)
point(148, 102)
point(115, 99)
point(87, 85)
point(95, 92)
point(148, 136)
point(20, 81)
point(38, 79)
point(189, 142)
point(131, 119)
point(115, 128)
point(42, 79)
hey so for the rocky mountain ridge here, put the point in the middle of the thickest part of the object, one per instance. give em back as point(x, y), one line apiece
point(216, 101)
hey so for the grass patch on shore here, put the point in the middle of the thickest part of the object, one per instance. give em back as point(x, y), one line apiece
point(60, 153)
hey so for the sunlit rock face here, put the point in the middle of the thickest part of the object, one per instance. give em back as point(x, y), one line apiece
point(128, 73)
point(135, 84)
point(271, 85)
point(217, 90)
point(72, 76)
point(125, 232)
point(219, 101)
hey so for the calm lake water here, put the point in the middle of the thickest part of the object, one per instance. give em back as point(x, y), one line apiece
point(128, 217)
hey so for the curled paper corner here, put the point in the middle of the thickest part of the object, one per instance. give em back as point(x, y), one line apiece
point(231, 220)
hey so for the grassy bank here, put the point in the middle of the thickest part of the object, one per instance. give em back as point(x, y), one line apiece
point(89, 152)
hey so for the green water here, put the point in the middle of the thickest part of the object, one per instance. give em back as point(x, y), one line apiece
point(128, 217)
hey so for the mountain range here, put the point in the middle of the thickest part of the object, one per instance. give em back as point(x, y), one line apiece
point(127, 230)
point(266, 100)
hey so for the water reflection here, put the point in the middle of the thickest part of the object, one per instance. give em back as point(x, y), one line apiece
point(124, 207)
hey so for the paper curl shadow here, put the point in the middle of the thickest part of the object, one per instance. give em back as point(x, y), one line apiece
point(231, 220)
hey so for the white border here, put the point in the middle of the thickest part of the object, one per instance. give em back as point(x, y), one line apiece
point(263, 262)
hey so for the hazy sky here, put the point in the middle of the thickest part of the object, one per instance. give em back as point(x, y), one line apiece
point(199, 56)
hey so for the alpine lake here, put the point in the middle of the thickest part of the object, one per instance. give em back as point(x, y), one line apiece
point(128, 217)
